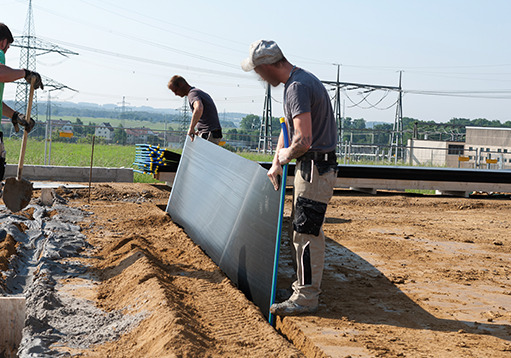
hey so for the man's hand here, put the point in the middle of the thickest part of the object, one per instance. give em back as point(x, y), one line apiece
point(21, 119)
point(275, 173)
point(192, 133)
point(284, 156)
point(36, 77)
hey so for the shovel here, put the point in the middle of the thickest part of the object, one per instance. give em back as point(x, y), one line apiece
point(18, 191)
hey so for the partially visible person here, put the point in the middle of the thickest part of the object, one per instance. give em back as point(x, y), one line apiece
point(205, 122)
point(8, 74)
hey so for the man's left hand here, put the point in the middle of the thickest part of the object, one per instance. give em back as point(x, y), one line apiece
point(21, 119)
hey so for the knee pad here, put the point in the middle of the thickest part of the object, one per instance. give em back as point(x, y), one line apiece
point(309, 216)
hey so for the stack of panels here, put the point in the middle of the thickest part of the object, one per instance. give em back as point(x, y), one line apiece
point(151, 159)
point(228, 206)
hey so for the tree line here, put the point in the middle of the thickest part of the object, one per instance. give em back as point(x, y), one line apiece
point(380, 133)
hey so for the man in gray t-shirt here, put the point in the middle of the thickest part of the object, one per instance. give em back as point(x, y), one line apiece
point(205, 122)
point(304, 93)
point(311, 121)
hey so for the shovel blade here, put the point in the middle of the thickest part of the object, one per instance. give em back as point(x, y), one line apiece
point(17, 194)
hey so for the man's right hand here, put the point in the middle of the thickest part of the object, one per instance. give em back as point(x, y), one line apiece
point(36, 77)
point(275, 173)
point(192, 134)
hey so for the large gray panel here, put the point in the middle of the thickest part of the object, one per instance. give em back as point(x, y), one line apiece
point(228, 206)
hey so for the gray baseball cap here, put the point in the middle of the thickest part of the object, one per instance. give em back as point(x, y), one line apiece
point(262, 52)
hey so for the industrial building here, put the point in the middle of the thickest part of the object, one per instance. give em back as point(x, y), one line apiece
point(484, 147)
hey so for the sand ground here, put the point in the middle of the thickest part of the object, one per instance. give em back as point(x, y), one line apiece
point(405, 276)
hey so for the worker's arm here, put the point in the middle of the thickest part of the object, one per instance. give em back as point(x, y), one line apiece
point(276, 168)
point(198, 108)
point(7, 111)
point(8, 74)
point(302, 139)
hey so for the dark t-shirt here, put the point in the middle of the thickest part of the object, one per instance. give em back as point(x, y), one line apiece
point(304, 93)
point(209, 120)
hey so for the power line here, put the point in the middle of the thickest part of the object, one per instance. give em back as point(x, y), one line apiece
point(149, 61)
point(147, 42)
point(490, 94)
point(137, 20)
point(32, 46)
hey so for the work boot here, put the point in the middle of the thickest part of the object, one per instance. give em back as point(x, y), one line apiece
point(290, 308)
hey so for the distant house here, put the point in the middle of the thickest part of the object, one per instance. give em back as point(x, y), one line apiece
point(60, 124)
point(105, 130)
point(138, 135)
point(68, 128)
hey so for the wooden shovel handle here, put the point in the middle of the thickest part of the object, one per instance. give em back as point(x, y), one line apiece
point(25, 133)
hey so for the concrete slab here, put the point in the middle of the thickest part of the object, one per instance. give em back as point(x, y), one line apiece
point(71, 174)
point(38, 185)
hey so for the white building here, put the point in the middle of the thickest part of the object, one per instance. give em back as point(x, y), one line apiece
point(488, 144)
point(67, 128)
point(434, 153)
point(484, 147)
point(105, 130)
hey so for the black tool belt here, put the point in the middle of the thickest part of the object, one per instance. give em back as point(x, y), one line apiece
point(319, 157)
point(217, 133)
point(325, 162)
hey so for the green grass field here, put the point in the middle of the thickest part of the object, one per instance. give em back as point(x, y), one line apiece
point(76, 154)
point(105, 155)
point(79, 155)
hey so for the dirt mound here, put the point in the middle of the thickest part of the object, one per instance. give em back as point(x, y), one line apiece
point(146, 263)
point(7, 249)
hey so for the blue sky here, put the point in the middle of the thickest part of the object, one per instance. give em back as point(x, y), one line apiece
point(447, 46)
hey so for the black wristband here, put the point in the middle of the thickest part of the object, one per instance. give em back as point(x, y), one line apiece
point(15, 115)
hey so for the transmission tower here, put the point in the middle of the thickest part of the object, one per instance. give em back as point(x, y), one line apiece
point(185, 121)
point(337, 111)
point(53, 86)
point(124, 108)
point(396, 138)
point(265, 141)
point(31, 47)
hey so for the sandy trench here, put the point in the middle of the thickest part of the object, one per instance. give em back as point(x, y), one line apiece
point(405, 276)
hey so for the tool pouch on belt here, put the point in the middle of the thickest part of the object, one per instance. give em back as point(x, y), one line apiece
point(323, 161)
point(2, 156)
